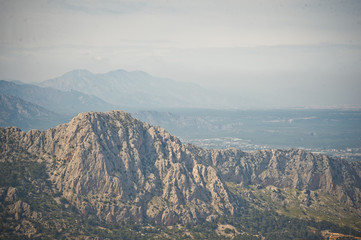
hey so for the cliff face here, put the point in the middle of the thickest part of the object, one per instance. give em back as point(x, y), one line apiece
point(144, 171)
point(297, 169)
point(120, 168)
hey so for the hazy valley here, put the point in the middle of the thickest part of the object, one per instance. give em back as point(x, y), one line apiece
point(200, 116)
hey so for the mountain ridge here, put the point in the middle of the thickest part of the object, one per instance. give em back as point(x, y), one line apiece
point(62, 102)
point(137, 89)
point(15, 111)
point(117, 168)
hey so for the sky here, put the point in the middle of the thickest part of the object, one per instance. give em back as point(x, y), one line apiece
point(275, 53)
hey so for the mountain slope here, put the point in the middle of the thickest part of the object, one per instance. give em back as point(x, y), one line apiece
point(143, 168)
point(58, 101)
point(120, 169)
point(16, 112)
point(137, 89)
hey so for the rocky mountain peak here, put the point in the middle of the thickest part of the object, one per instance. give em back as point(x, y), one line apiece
point(148, 172)
point(119, 168)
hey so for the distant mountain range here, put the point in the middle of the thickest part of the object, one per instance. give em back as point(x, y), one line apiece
point(110, 176)
point(16, 112)
point(81, 91)
point(138, 90)
point(63, 102)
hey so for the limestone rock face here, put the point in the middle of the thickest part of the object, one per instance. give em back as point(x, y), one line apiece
point(120, 168)
point(293, 168)
point(142, 169)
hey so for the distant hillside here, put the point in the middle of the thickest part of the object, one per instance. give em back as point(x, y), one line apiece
point(16, 112)
point(62, 102)
point(137, 89)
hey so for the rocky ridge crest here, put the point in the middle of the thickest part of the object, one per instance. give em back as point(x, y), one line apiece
point(120, 168)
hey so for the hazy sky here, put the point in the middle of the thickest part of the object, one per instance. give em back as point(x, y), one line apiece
point(281, 52)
